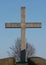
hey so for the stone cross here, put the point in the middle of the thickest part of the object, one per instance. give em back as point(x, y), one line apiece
point(23, 25)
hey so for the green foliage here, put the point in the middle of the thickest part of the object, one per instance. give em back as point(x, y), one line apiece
point(20, 63)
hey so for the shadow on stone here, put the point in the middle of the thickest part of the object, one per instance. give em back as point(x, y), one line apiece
point(23, 55)
point(30, 62)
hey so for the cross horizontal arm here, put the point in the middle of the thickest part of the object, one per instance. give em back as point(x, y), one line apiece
point(33, 25)
point(12, 25)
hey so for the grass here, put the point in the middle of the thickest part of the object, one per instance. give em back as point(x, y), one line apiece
point(20, 63)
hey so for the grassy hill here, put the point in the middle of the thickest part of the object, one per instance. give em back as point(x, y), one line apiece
point(38, 60)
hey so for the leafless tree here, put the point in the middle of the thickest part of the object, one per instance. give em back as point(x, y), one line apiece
point(16, 49)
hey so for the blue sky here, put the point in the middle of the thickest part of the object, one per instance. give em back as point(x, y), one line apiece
point(10, 11)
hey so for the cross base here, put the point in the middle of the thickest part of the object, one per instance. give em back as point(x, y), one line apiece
point(23, 55)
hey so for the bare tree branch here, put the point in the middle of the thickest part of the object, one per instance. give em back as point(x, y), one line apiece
point(16, 49)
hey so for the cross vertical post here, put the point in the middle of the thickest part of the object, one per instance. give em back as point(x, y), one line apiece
point(23, 39)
